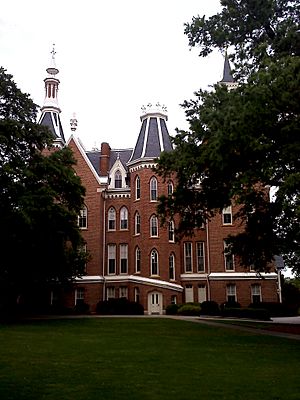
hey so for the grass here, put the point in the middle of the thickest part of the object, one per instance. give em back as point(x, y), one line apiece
point(143, 358)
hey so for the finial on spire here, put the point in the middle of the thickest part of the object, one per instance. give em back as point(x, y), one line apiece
point(53, 52)
point(52, 70)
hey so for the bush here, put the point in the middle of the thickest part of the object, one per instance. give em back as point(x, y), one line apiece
point(248, 313)
point(81, 308)
point(191, 309)
point(275, 309)
point(172, 309)
point(230, 304)
point(209, 308)
point(121, 306)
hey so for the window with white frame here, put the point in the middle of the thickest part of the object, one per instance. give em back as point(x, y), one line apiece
point(137, 260)
point(123, 258)
point(228, 258)
point(200, 257)
point(111, 219)
point(83, 250)
point(154, 262)
point(137, 188)
point(137, 223)
point(111, 249)
point(123, 291)
point(123, 218)
point(110, 293)
point(188, 264)
point(256, 293)
point(136, 294)
point(231, 293)
point(153, 226)
point(82, 218)
point(79, 296)
point(172, 267)
point(118, 179)
point(153, 189)
point(173, 299)
point(171, 231)
point(170, 188)
point(227, 215)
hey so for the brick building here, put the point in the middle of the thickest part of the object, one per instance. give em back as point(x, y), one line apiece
point(132, 256)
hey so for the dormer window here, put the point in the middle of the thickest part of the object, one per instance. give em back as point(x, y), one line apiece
point(118, 179)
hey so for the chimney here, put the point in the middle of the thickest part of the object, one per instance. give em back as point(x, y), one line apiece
point(104, 159)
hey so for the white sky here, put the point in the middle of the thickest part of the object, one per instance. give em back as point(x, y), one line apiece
point(113, 56)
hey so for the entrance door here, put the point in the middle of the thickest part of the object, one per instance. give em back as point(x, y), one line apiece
point(201, 293)
point(155, 303)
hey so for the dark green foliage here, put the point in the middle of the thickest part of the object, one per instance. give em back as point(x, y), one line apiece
point(245, 141)
point(40, 199)
point(230, 304)
point(210, 308)
point(291, 294)
point(247, 313)
point(81, 308)
point(275, 309)
point(121, 306)
point(172, 309)
point(189, 309)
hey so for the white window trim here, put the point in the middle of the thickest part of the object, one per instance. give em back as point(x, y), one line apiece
point(197, 258)
point(185, 256)
point(227, 211)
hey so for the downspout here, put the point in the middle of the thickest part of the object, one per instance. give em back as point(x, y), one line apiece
point(103, 245)
point(208, 260)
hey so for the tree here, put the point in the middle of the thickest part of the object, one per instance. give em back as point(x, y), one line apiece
point(245, 141)
point(40, 199)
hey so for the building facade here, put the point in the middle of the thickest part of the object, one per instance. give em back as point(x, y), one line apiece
point(132, 255)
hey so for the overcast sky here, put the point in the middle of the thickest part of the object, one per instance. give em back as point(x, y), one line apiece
point(113, 57)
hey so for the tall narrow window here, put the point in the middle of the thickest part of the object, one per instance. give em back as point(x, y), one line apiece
point(111, 219)
point(171, 267)
point(123, 218)
point(111, 259)
point(82, 218)
point(256, 293)
point(200, 257)
point(227, 216)
point(153, 226)
point(231, 293)
point(137, 188)
point(123, 292)
point(153, 189)
point(136, 294)
point(228, 258)
point(154, 262)
point(171, 231)
point(123, 258)
point(118, 179)
point(79, 296)
point(170, 188)
point(137, 223)
point(188, 257)
point(137, 260)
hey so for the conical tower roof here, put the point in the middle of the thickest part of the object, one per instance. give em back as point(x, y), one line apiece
point(154, 136)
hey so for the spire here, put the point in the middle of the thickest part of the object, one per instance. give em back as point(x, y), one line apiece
point(154, 137)
point(50, 110)
point(227, 76)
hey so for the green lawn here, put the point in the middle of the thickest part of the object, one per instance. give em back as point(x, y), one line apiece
point(143, 358)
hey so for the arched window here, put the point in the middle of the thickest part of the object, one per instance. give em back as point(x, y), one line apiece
point(153, 189)
point(111, 219)
point(153, 226)
point(137, 223)
point(123, 218)
point(170, 188)
point(172, 267)
point(154, 262)
point(137, 188)
point(82, 218)
point(171, 231)
point(137, 260)
point(118, 179)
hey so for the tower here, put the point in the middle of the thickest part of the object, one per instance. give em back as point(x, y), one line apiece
point(50, 112)
point(227, 79)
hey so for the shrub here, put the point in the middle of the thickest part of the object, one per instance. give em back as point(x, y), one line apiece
point(191, 309)
point(172, 309)
point(81, 308)
point(275, 309)
point(209, 308)
point(230, 304)
point(248, 313)
point(121, 306)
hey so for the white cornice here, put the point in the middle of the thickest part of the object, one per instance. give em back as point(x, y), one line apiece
point(144, 281)
point(217, 276)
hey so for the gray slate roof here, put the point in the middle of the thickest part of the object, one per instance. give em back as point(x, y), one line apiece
point(57, 130)
point(227, 77)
